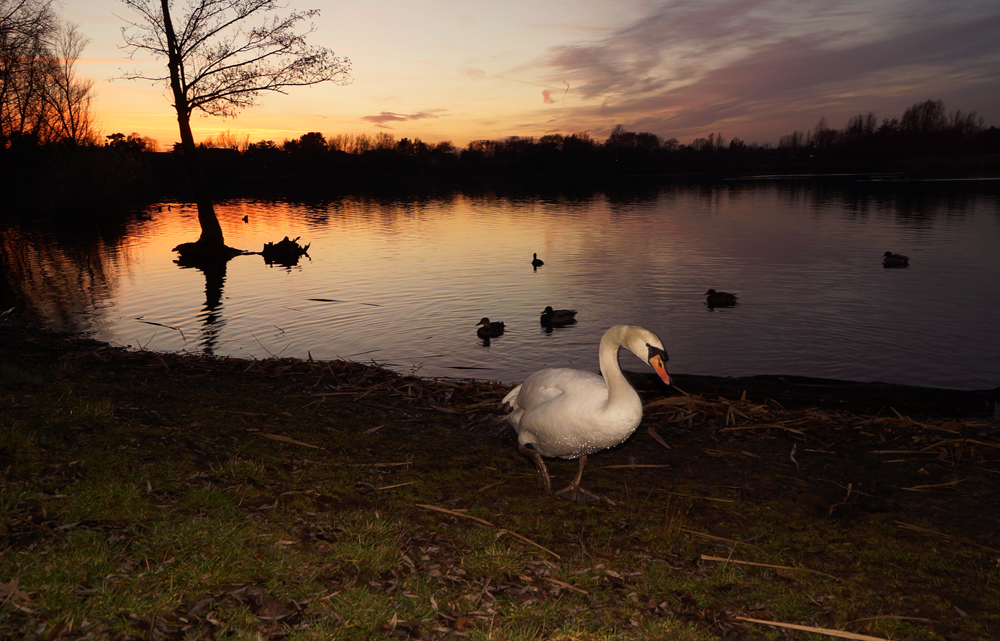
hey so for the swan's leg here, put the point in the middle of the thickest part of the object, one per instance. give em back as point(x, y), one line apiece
point(543, 472)
point(574, 492)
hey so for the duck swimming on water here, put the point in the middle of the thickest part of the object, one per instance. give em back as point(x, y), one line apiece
point(571, 413)
point(720, 299)
point(488, 329)
point(557, 317)
point(890, 259)
point(536, 261)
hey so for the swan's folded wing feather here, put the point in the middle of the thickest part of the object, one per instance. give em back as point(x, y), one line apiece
point(548, 384)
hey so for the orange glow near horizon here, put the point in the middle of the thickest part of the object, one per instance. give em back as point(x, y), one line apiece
point(265, 122)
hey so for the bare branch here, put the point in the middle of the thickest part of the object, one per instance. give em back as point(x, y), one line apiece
point(39, 94)
point(226, 63)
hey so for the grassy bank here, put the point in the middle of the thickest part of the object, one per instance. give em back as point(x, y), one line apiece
point(156, 496)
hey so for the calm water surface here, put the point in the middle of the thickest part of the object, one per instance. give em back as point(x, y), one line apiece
point(404, 282)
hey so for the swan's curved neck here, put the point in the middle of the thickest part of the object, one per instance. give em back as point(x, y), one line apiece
point(611, 370)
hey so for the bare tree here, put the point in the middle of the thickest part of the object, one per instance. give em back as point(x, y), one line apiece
point(924, 117)
point(218, 63)
point(69, 97)
point(26, 26)
point(41, 98)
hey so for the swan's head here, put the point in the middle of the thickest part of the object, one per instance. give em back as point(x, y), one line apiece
point(658, 361)
point(644, 344)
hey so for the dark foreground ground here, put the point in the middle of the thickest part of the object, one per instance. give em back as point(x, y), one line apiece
point(157, 496)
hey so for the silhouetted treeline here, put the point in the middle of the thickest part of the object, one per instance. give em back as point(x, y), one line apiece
point(924, 141)
point(66, 179)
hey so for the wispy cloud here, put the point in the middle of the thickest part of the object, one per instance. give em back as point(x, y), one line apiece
point(386, 118)
point(695, 64)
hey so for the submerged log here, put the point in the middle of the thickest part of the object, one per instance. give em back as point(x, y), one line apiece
point(284, 252)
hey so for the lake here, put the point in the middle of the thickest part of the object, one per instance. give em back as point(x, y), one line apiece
point(404, 281)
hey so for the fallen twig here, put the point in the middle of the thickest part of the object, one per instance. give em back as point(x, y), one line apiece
point(162, 325)
point(563, 584)
point(921, 488)
point(487, 523)
point(285, 439)
point(528, 541)
point(809, 628)
point(923, 530)
point(716, 538)
point(704, 498)
point(705, 557)
point(629, 466)
point(389, 487)
point(454, 513)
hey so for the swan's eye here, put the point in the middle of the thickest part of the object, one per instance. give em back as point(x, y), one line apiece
point(653, 351)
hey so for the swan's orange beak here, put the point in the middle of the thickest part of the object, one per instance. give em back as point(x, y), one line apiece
point(658, 363)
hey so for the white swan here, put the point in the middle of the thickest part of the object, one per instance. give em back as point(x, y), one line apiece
point(570, 413)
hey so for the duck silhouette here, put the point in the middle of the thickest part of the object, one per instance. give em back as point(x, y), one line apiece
point(890, 259)
point(536, 261)
point(720, 299)
point(489, 329)
point(557, 317)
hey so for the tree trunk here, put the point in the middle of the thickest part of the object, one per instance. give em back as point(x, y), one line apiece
point(211, 241)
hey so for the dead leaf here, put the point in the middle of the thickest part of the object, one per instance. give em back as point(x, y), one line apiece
point(656, 436)
point(11, 592)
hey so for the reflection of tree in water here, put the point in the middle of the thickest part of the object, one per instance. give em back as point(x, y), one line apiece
point(915, 203)
point(211, 318)
point(59, 276)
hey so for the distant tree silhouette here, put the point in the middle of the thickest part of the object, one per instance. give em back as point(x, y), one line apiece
point(579, 150)
point(620, 138)
point(219, 64)
point(262, 146)
point(924, 118)
point(227, 140)
point(131, 145)
point(968, 124)
point(312, 143)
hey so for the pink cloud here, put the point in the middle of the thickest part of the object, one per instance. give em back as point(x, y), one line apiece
point(758, 68)
point(386, 118)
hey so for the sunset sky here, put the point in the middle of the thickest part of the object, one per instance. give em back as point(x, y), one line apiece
point(471, 69)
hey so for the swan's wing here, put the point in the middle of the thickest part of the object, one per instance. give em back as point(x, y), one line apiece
point(546, 385)
point(555, 410)
point(511, 397)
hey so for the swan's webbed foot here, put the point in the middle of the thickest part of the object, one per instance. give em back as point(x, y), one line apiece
point(574, 492)
point(544, 481)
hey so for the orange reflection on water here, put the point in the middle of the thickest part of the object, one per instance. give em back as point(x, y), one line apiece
point(404, 282)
